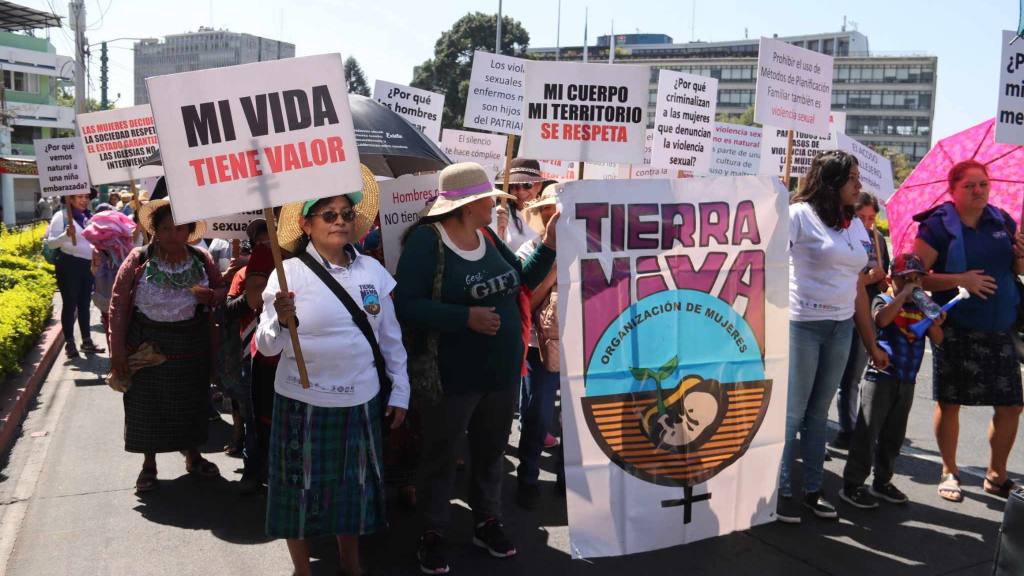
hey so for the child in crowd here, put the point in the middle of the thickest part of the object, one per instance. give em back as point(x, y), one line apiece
point(887, 395)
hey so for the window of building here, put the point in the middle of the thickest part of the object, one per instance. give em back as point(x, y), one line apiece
point(828, 47)
point(813, 45)
point(25, 134)
point(21, 82)
point(843, 48)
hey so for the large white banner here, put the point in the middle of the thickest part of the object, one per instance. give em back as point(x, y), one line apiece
point(117, 142)
point(737, 150)
point(794, 88)
point(254, 136)
point(673, 303)
point(60, 163)
point(805, 147)
point(875, 169)
point(487, 150)
point(1010, 112)
point(684, 122)
point(494, 100)
point(589, 112)
point(401, 201)
point(421, 108)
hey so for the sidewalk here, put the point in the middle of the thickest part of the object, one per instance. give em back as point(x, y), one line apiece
point(67, 506)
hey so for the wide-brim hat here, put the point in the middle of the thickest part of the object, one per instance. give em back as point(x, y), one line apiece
point(146, 220)
point(549, 197)
point(458, 185)
point(365, 202)
point(521, 171)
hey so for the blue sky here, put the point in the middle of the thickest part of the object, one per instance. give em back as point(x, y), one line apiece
point(389, 37)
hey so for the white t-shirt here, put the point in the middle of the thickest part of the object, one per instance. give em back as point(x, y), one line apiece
point(57, 237)
point(824, 265)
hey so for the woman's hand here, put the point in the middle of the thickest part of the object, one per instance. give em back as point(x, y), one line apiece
point(879, 358)
point(484, 320)
point(501, 219)
point(399, 416)
point(284, 304)
point(203, 295)
point(978, 283)
point(1018, 245)
point(549, 230)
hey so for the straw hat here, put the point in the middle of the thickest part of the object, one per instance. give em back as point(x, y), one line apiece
point(366, 203)
point(146, 219)
point(521, 171)
point(460, 184)
point(547, 198)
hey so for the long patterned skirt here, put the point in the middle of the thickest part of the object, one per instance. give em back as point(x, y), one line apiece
point(324, 475)
point(973, 368)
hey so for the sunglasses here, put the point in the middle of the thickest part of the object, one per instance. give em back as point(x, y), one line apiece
point(330, 216)
point(522, 185)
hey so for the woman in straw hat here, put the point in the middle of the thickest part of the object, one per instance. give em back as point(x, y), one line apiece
point(325, 468)
point(162, 296)
point(480, 349)
point(525, 183)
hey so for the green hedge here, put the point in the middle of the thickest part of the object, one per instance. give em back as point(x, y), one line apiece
point(26, 241)
point(27, 286)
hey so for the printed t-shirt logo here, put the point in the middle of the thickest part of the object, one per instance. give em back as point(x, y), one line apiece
point(371, 301)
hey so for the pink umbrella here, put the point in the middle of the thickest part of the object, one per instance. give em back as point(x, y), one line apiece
point(927, 186)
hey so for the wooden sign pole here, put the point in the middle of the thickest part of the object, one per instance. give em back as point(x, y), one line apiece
point(275, 250)
point(581, 171)
point(510, 146)
point(70, 222)
point(236, 248)
point(789, 159)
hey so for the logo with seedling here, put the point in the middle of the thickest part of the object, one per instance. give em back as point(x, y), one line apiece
point(688, 415)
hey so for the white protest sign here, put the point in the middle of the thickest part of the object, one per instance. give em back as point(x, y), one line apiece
point(1010, 114)
point(254, 136)
point(421, 108)
point(684, 121)
point(605, 171)
point(61, 166)
point(805, 147)
point(487, 150)
point(401, 201)
point(588, 112)
point(794, 88)
point(117, 142)
point(875, 169)
point(558, 169)
point(737, 150)
point(645, 170)
point(231, 227)
point(494, 101)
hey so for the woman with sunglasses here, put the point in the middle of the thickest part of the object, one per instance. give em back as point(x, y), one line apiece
point(325, 463)
point(525, 183)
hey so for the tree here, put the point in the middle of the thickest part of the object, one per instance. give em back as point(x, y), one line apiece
point(355, 78)
point(66, 97)
point(901, 167)
point(449, 70)
point(746, 118)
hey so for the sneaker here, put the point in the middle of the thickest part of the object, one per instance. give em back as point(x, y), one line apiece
point(90, 348)
point(889, 493)
point(550, 441)
point(528, 496)
point(429, 554)
point(786, 511)
point(858, 497)
point(71, 351)
point(822, 508)
point(490, 536)
point(841, 441)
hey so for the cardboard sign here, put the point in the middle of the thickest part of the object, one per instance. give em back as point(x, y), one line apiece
point(487, 150)
point(805, 147)
point(253, 136)
point(1010, 114)
point(875, 169)
point(494, 101)
point(558, 169)
point(116, 142)
point(673, 315)
point(684, 122)
point(231, 227)
point(61, 166)
point(401, 201)
point(794, 88)
point(605, 171)
point(421, 108)
point(645, 170)
point(737, 150)
point(589, 112)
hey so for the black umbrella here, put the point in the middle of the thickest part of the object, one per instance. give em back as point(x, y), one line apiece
point(387, 144)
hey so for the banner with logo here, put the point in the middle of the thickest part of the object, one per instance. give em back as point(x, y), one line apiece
point(673, 304)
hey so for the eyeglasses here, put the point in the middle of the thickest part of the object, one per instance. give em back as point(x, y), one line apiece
point(329, 216)
point(522, 185)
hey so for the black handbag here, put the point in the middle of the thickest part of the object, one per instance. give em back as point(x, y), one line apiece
point(1009, 559)
point(359, 317)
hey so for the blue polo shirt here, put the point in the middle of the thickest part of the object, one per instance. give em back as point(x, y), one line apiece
point(988, 247)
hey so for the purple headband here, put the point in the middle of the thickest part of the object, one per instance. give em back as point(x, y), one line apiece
point(467, 191)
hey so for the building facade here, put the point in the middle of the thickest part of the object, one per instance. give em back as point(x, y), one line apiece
point(889, 100)
point(207, 48)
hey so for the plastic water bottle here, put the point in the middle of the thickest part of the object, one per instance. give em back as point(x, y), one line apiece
point(926, 304)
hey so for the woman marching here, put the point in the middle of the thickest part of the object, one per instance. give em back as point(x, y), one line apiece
point(325, 464)
point(162, 297)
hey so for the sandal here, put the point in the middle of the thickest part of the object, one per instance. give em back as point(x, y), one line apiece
point(146, 482)
point(999, 489)
point(203, 468)
point(950, 483)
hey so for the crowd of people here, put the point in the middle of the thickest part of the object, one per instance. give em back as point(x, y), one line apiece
point(344, 381)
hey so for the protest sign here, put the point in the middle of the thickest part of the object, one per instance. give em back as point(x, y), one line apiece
point(254, 136)
point(605, 171)
point(558, 169)
point(401, 201)
point(684, 121)
point(61, 166)
point(875, 169)
point(494, 101)
point(231, 227)
point(117, 142)
point(487, 150)
point(737, 150)
point(1010, 114)
point(805, 147)
point(587, 112)
point(421, 108)
point(794, 88)
point(673, 307)
point(645, 170)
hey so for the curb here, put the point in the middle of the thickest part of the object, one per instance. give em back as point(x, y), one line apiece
point(15, 401)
